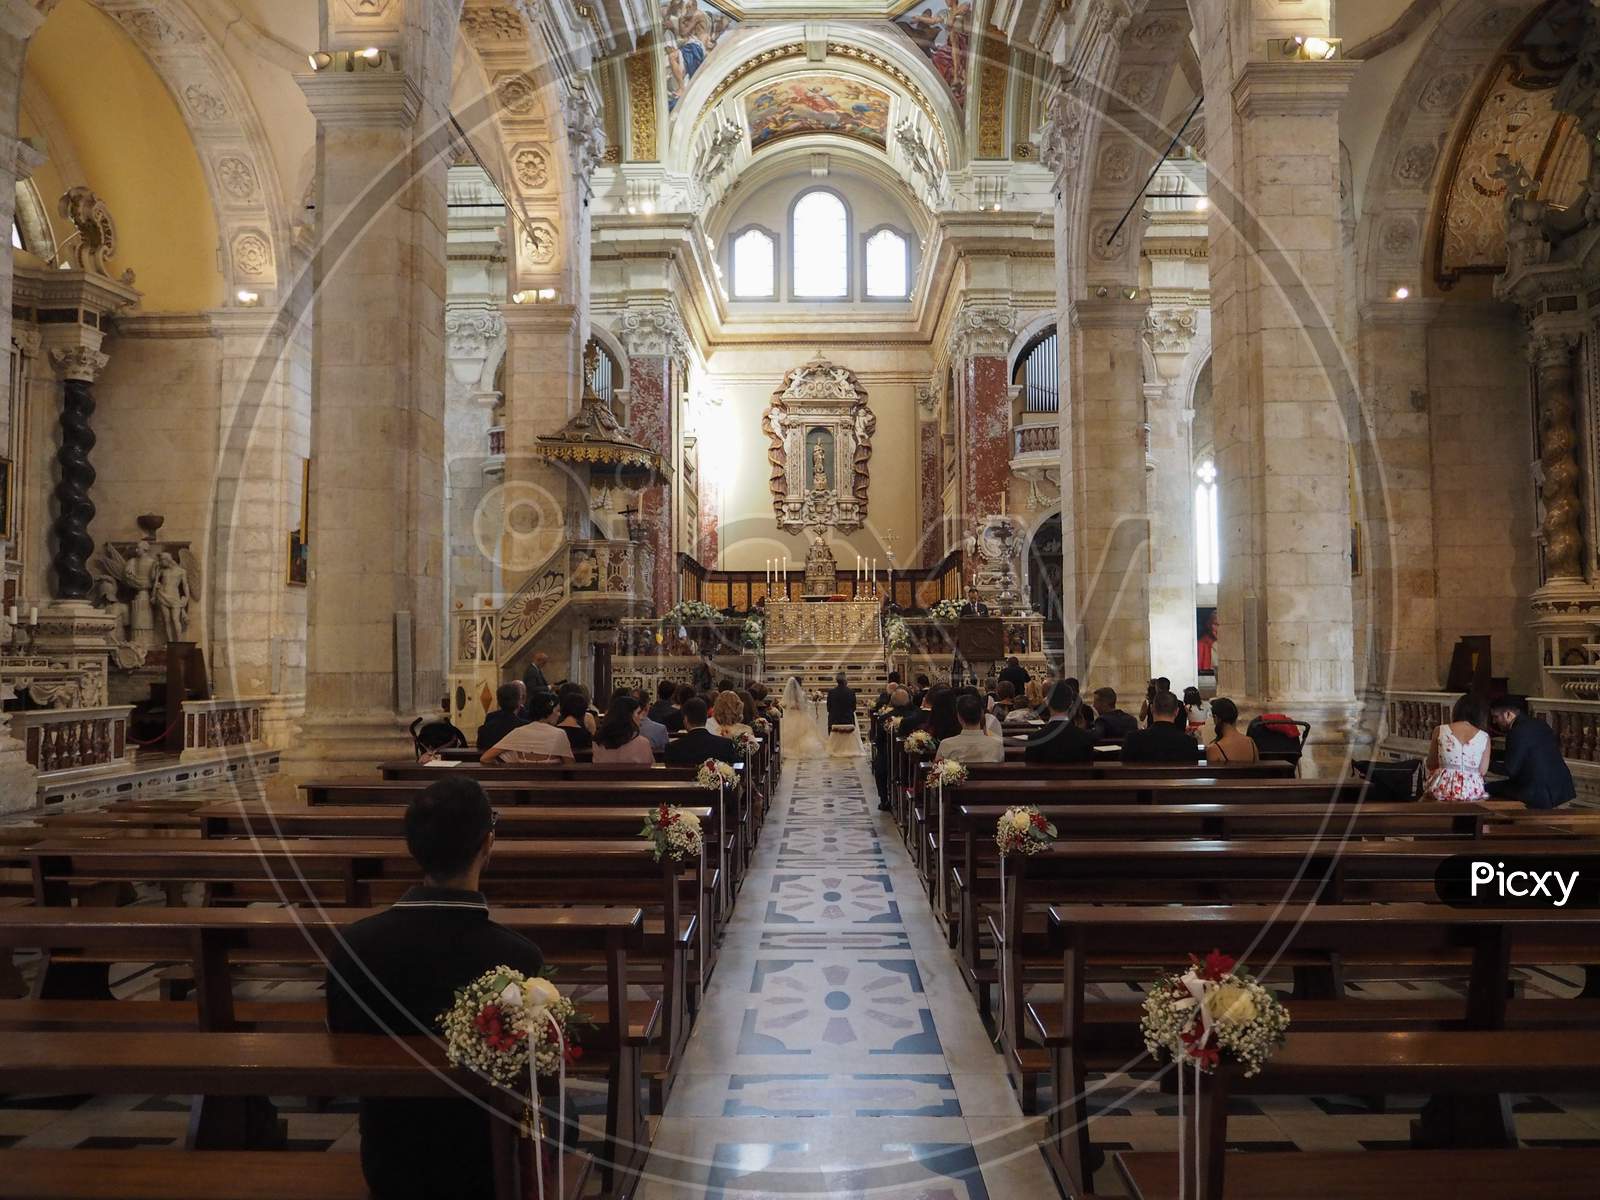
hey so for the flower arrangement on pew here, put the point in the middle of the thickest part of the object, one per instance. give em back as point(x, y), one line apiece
point(748, 743)
point(504, 1023)
point(761, 726)
point(948, 772)
point(1211, 1012)
point(920, 742)
point(676, 833)
point(714, 774)
point(1023, 830)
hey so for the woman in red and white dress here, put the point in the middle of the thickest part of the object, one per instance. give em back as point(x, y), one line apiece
point(1459, 754)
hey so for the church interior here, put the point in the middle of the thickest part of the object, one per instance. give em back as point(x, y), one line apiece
point(895, 388)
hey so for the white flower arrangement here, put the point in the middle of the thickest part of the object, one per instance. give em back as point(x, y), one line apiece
point(1211, 1011)
point(896, 635)
point(1023, 830)
point(686, 612)
point(715, 774)
point(761, 725)
point(676, 833)
point(747, 742)
point(920, 741)
point(946, 610)
point(754, 632)
point(948, 772)
point(503, 1016)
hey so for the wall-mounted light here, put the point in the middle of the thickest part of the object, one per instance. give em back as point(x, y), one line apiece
point(320, 61)
point(372, 54)
point(1202, 204)
point(1402, 292)
point(248, 298)
point(1310, 48)
point(1131, 293)
point(547, 295)
point(544, 295)
point(522, 297)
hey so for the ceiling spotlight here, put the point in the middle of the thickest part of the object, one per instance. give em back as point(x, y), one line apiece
point(1313, 49)
point(320, 61)
point(248, 298)
point(1402, 292)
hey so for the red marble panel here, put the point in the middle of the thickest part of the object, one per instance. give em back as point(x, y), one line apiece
point(650, 421)
point(987, 425)
point(930, 484)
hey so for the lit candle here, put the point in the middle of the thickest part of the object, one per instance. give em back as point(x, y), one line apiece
point(12, 615)
point(33, 615)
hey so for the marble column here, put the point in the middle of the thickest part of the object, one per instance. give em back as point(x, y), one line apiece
point(1113, 528)
point(982, 339)
point(930, 482)
point(545, 505)
point(1394, 465)
point(1283, 450)
point(374, 656)
point(654, 338)
point(1560, 528)
point(1169, 497)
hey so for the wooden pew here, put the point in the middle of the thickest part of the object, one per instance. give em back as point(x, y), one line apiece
point(1078, 1036)
point(240, 1065)
point(1387, 1062)
point(70, 990)
point(359, 872)
point(975, 877)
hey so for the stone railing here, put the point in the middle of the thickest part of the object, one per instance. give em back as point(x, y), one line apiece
point(1409, 719)
point(58, 740)
point(217, 727)
point(1036, 439)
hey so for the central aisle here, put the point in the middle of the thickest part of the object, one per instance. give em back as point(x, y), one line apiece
point(839, 1053)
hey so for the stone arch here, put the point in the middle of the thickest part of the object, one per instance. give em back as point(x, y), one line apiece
point(539, 139)
point(1413, 151)
point(1131, 137)
point(1025, 336)
point(228, 137)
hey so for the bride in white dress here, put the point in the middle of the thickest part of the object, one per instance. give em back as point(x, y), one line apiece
point(802, 729)
point(801, 735)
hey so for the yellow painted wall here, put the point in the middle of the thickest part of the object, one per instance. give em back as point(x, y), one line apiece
point(135, 152)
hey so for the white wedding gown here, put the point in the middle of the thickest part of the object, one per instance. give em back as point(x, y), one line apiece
point(802, 729)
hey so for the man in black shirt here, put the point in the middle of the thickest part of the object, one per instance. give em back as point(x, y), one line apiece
point(1016, 675)
point(511, 698)
point(1060, 740)
point(698, 744)
point(398, 971)
point(1163, 741)
point(1537, 771)
point(664, 711)
point(1111, 724)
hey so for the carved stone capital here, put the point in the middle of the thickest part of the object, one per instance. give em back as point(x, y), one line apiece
point(1170, 332)
point(1061, 136)
point(928, 398)
point(653, 331)
point(78, 362)
point(586, 135)
point(983, 329)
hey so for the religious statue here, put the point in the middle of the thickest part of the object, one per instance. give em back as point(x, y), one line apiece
point(125, 653)
point(172, 596)
point(819, 467)
point(137, 573)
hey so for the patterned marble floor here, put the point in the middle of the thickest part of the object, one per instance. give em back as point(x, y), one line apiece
point(839, 1053)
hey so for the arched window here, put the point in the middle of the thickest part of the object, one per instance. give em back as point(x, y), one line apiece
point(888, 266)
point(755, 265)
point(1207, 531)
point(820, 234)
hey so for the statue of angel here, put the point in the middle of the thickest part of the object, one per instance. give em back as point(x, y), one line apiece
point(137, 572)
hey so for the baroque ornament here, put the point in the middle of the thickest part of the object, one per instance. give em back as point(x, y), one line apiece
point(492, 24)
point(203, 104)
point(149, 27)
point(538, 238)
point(517, 94)
point(532, 167)
point(96, 242)
point(1170, 330)
point(819, 431)
point(1106, 245)
point(1414, 164)
point(1444, 92)
point(252, 257)
point(238, 177)
point(469, 332)
point(586, 135)
point(1399, 236)
point(1138, 85)
point(1061, 136)
point(1116, 162)
point(983, 330)
point(654, 331)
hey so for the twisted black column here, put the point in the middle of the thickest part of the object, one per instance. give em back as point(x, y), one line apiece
point(74, 509)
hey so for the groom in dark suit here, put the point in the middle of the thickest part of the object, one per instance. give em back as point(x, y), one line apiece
point(1537, 772)
point(841, 702)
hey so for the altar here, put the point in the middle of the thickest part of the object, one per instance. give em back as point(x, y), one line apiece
point(823, 625)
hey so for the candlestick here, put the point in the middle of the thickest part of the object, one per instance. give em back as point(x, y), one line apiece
point(33, 615)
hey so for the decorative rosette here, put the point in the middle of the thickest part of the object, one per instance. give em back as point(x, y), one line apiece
point(501, 1019)
point(715, 774)
point(948, 772)
point(676, 833)
point(920, 741)
point(1023, 830)
point(1212, 1012)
